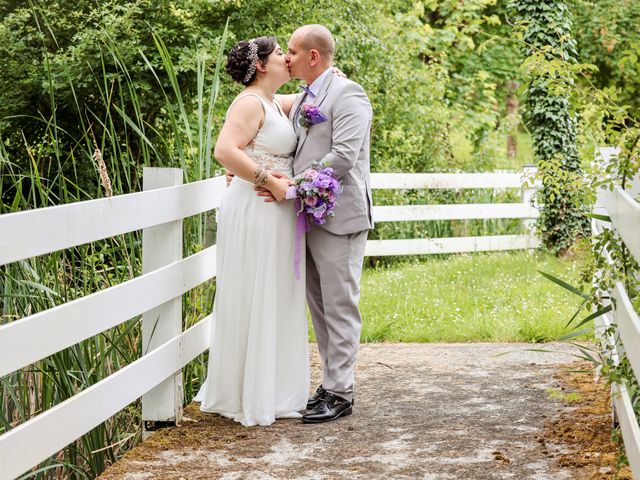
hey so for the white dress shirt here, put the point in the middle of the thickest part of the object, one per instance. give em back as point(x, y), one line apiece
point(317, 83)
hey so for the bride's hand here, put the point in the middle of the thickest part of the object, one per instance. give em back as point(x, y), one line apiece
point(278, 174)
point(264, 192)
point(278, 187)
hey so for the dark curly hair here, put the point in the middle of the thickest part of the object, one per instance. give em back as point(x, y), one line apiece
point(238, 62)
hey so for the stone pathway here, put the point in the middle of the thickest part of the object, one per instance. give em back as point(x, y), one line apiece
point(428, 411)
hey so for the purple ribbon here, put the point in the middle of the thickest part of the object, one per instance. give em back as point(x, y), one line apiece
point(302, 227)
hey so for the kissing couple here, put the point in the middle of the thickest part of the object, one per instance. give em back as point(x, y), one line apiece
point(258, 367)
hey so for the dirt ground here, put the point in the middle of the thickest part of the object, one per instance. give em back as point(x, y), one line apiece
point(429, 411)
point(579, 437)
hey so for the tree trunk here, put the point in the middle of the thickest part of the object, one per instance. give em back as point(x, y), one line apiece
point(512, 112)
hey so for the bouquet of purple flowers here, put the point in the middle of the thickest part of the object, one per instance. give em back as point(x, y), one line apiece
point(317, 192)
point(315, 195)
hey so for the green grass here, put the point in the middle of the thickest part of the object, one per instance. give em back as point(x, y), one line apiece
point(463, 153)
point(492, 297)
point(557, 394)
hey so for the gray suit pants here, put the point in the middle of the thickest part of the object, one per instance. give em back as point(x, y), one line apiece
point(334, 266)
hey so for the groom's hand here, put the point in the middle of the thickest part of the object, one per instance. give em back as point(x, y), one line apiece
point(337, 72)
point(263, 192)
point(229, 176)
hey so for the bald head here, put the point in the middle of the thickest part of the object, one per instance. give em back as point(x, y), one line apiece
point(316, 37)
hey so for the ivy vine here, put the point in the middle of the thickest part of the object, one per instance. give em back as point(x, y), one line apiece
point(545, 28)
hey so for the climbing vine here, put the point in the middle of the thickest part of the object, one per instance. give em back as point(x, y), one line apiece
point(545, 30)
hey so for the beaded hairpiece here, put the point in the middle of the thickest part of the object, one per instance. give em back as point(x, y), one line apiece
point(253, 60)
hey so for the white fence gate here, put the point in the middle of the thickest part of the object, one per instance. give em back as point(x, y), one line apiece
point(158, 211)
point(624, 212)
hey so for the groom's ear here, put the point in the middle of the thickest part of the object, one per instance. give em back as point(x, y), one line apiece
point(315, 57)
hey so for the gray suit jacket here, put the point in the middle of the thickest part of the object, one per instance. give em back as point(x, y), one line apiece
point(342, 142)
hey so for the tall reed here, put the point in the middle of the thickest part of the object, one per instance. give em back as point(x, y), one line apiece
point(36, 284)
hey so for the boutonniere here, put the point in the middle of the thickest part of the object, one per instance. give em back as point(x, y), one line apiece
point(310, 115)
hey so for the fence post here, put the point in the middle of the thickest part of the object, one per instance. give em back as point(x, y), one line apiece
point(529, 187)
point(161, 245)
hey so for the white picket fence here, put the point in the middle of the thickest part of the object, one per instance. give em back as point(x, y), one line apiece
point(158, 211)
point(624, 212)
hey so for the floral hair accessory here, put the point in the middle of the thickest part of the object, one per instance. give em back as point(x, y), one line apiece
point(310, 115)
point(252, 56)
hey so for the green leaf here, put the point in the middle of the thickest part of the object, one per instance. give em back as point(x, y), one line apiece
point(575, 334)
point(564, 284)
point(595, 314)
point(40, 287)
point(584, 302)
point(596, 216)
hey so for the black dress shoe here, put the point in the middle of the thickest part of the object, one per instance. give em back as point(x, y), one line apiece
point(315, 399)
point(330, 407)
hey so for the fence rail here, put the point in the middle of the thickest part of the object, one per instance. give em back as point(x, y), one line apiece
point(391, 181)
point(35, 440)
point(158, 211)
point(624, 213)
point(57, 228)
point(29, 339)
point(402, 181)
point(467, 211)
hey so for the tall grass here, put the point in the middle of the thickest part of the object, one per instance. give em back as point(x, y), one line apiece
point(37, 284)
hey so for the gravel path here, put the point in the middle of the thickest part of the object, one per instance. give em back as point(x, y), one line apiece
point(429, 411)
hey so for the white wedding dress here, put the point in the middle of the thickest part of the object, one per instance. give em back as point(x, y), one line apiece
point(258, 357)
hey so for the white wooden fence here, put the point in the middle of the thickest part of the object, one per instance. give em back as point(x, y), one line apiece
point(158, 211)
point(624, 212)
point(523, 210)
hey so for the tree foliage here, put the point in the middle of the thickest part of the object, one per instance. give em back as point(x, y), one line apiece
point(72, 64)
point(607, 33)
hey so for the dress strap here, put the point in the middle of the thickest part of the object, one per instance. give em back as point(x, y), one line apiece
point(279, 107)
point(249, 94)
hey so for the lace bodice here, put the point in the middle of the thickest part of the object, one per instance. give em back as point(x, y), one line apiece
point(275, 143)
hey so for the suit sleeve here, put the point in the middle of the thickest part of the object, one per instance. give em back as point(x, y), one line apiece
point(351, 122)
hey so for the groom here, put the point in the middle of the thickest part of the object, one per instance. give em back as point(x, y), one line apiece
point(335, 250)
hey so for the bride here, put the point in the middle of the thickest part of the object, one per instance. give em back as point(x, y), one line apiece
point(258, 361)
